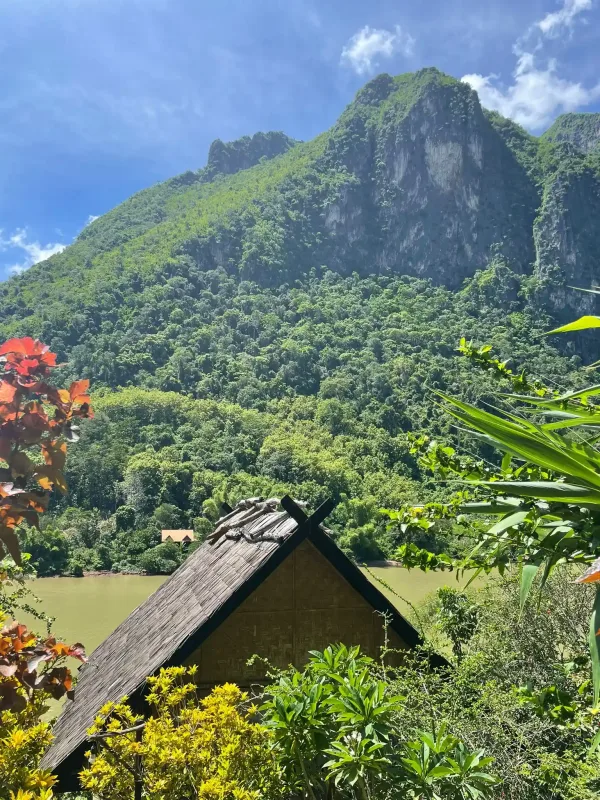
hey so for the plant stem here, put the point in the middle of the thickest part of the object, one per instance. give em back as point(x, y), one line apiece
point(309, 788)
point(363, 789)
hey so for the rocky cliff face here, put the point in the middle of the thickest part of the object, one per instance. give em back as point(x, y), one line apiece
point(227, 158)
point(580, 130)
point(415, 178)
point(436, 189)
point(567, 239)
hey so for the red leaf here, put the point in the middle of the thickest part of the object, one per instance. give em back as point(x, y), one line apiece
point(20, 464)
point(49, 359)
point(77, 651)
point(8, 490)
point(7, 392)
point(60, 649)
point(10, 699)
point(14, 629)
point(34, 662)
point(47, 476)
point(21, 347)
point(591, 575)
point(27, 366)
point(6, 447)
point(78, 388)
point(55, 453)
point(11, 543)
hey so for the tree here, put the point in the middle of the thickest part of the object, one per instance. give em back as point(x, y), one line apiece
point(49, 549)
point(544, 496)
point(27, 428)
point(162, 559)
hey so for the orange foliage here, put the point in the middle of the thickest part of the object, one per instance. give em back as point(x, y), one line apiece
point(35, 418)
point(28, 664)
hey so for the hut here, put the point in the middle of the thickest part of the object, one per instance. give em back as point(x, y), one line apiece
point(268, 580)
point(182, 537)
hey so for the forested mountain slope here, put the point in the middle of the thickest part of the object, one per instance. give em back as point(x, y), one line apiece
point(321, 288)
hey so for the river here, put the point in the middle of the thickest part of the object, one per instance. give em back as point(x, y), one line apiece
point(88, 609)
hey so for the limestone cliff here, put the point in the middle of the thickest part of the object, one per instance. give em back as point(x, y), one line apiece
point(227, 158)
point(415, 178)
point(581, 130)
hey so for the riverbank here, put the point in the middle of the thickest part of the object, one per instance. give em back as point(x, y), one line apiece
point(106, 573)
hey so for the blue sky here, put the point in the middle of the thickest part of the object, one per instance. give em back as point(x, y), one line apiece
point(101, 98)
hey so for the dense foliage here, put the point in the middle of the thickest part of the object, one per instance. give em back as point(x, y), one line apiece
point(543, 496)
point(511, 719)
point(325, 733)
point(190, 747)
point(259, 317)
point(311, 393)
point(334, 731)
point(521, 687)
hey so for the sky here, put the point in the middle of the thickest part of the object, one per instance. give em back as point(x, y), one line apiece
point(102, 98)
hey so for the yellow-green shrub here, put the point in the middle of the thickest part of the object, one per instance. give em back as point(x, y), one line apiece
point(23, 739)
point(191, 746)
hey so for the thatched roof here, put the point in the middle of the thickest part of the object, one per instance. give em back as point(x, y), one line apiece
point(177, 536)
point(245, 548)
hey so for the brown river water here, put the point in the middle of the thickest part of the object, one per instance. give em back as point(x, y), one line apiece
point(88, 609)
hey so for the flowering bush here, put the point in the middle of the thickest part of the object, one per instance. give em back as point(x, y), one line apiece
point(32, 670)
point(23, 740)
point(190, 746)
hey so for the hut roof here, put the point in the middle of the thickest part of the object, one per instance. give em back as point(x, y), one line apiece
point(177, 536)
point(246, 547)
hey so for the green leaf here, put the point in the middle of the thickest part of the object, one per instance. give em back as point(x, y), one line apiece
point(594, 744)
point(498, 506)
point(528, 573)
point(532, 443)
point(581, 324)
point(594, 642)
point(509, 522)
point(550, 564)
point(545, 490)
point(549, 402)
point(587, 420)
point(440, 771)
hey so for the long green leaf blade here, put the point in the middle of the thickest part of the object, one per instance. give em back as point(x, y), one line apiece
point(581, 324)
point(528, 573)
point(544, 448)
point(594, 642)
point(544, 490)
point(509, 522)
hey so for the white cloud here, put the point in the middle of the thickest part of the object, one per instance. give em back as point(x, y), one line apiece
point(552, 24)
point(537, 93)
point(91, 219)
point(535, 97)
point(364, 48)
point(32, 252)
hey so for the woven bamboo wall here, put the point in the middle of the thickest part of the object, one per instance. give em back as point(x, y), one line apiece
point(304, 605)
